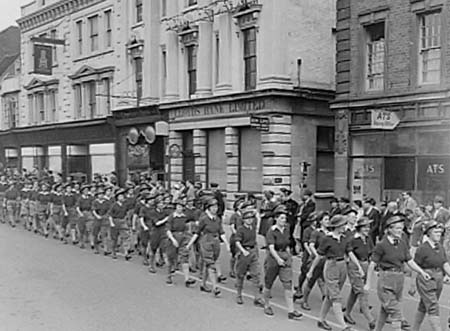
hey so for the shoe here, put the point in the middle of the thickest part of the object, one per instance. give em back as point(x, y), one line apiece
point(205, 289)
point(189, 282)
point(96, 252)
point(348, 319)
point(146, 263)
point(152, 270)
point(258, 303)
point(305, 306)
point(82, 246)
point(232, 274)
point(405, 325)
point(295, 315)
point(192, 270)
point(127, 257)
point(239, 300)
point(298, 295)
point(106, 253)
point(114, 257)
point(169, 281)
point(217, 292)
point(221, 279)
point(268, 311)
point(323, 325)
point(372, 325)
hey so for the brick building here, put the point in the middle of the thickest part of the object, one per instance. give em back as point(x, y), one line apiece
point(392, 107)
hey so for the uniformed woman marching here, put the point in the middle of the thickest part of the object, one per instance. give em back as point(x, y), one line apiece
point(120, 229)
point(332, 249)
point(210, 231)
point(431, 257)
point(247, 257)
point(390, 254)
point(84, 209)
point(359, 248)
point(278, 262)
point(179, 237)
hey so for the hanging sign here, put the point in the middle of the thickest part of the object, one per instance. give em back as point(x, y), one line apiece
point(43, 59)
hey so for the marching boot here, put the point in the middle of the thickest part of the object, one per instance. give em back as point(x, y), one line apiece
point(152, 268)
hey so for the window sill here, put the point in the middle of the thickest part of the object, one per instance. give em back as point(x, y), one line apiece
point(137, 25)
point(95, 54)
point(190, 8)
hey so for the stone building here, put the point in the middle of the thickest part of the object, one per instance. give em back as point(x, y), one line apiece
point(228, 68)
point(392, 107)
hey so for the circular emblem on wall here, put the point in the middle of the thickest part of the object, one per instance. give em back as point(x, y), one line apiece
point(133, 136)
point(174, 150)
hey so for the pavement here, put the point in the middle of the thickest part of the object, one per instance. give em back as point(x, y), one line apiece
point(47, 286)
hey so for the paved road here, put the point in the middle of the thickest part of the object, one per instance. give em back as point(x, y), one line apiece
point(47, 286)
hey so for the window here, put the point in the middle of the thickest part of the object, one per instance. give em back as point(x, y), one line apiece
point(10, 111)
point(325, 159)
point(53, 35)
point(31, 107)
point(139, 10)
point(138, 68)
point(430, 48)
point(52, 105)
point(40, 105)
point(93, 32)
point(108, 29)
point(375, 55)
point(79, 31)
point(164, 73)
point(163, 8)
point(217, 62)
point(250, 58)
point(192, 3)
point(91, 90)
point(78, 101)
point(399, 173)
point(250, 160)
point(192, 69)
point(107, 94)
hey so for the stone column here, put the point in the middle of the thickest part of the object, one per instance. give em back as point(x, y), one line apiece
point(232, 152)
point(276, 150)
point(204, 59)
point(176, 161)
point(172, 88)
point(199, 150)
point(225, 54)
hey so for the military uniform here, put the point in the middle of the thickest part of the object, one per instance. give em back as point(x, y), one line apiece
point(85, 219)
point(120, 229)
point(43, 205)
point(100, 207)
point(12, 196)
point(57, 212)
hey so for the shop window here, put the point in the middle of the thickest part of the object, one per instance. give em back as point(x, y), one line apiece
point(399, 173)
point(102, 158)
point(430, 48)
point(157, 155)
point(250, 58)
point(325, 159)
point(93, 29)
point(250, 160)
point(434, 142)
point(192, 69)
point(375, 55)
point(217, 161)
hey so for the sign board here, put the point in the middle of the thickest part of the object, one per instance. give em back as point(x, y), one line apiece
point(43, 60)
point(260, 123)
point(384, 120)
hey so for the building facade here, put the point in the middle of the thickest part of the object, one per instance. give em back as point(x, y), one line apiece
point(246, 86)
point(392, 108)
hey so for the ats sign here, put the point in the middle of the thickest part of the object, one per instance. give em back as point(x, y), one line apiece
point(43, 60)
point(383, 119)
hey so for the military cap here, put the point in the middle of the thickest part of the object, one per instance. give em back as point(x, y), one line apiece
point(395, 219)
point(363, 221)
point(337, 221)
point(249, 214)
point(432, 225)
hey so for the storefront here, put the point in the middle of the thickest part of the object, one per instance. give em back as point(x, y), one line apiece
point(81, 148)
point(141, 139)
point(248, 143)
point(412, 156)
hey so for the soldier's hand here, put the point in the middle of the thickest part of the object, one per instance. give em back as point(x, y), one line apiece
point(366, 287)
point(361, 272)
point(175, 243)
point(426, 276)
point(246, 252)
point(281, 262)
point(309, 275)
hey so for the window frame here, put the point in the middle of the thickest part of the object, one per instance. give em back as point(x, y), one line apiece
point(369, 61)
point(250, 59)
point(427, 49)
point(93, 33)
point(79, 31)
point(191, 55)
point(139, 11)
point(108, 28)
point(324, 150)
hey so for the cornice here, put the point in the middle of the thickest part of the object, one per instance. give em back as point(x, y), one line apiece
point(53, 12)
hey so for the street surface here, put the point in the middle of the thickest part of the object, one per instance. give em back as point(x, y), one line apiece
point(46, 286)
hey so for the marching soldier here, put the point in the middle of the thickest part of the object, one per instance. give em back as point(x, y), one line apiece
point(359, 248)
point(432, 258)
point(3, 188)
point(390, 254)
point(120, 230)
point(24, 213)
point(210, 231)
point(32, 204)
point(278, 263)
point(70, 200)
point(100, 208)
point(235, 222)
point(247, 258)
point(57, 211)
point(145, 220)
point(158, 234)
point(177, 248)
point(84, 210)
point(43, 208)
point(12, 197)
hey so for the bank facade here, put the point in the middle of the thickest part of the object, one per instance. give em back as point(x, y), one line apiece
point(384, 76)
